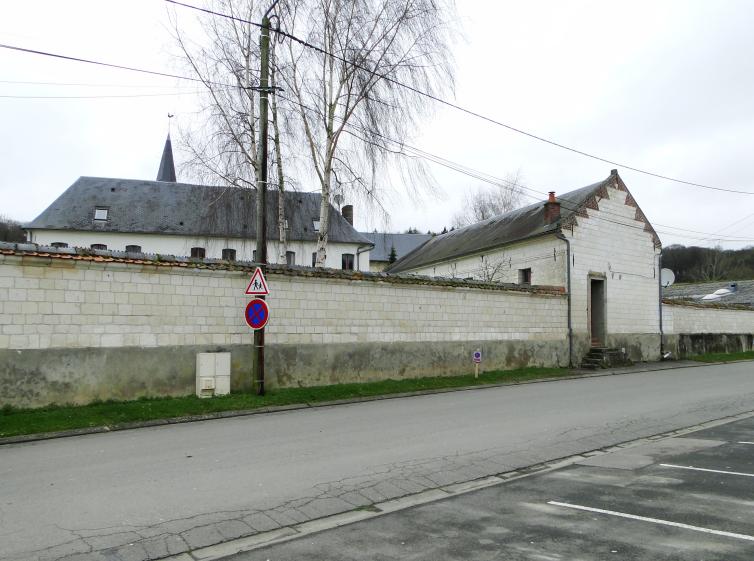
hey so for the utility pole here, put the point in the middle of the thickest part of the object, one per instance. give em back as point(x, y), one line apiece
point(264, 91)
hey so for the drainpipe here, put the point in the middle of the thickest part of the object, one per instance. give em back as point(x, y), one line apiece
point(359, 251)
point(659, 305)
point(560, 236)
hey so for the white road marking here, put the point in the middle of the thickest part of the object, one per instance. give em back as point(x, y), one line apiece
point(709, 470)
point(746, 442)
point(655, 521)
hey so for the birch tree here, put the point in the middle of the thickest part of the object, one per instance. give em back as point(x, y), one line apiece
point(350, 101)
point(222, 141)
point(486, 202)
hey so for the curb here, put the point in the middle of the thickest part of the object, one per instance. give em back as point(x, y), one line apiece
point(578, 374)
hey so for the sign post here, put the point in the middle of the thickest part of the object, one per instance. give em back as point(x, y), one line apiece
point(477, 357)
point(256, 315)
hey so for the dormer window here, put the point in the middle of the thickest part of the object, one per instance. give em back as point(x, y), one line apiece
point(100, 213)
point(315, 223)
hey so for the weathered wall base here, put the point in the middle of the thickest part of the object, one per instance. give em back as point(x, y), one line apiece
point(640, 347)
point(690, 344)
point(37, 377)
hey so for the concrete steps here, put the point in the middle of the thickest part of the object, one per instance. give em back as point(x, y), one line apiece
point(604, 357)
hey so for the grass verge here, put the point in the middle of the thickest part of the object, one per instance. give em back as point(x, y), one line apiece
point(724, 357)
point(14, 421)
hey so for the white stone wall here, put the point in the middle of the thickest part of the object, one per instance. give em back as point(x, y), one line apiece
point(612, 244)
point(181, 246)
point(545, 257)
point(680, 319)
point(53, 303)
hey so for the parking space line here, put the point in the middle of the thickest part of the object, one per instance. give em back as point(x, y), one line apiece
point(709, 470)
point(655, 521)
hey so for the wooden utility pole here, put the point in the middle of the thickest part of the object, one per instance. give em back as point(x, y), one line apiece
point(264, 91)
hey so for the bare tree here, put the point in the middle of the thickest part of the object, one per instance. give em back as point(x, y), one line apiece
point(11, 231)
point(222, 142)
point(492, 271)
point(712, 264)
point(486, 202)
point(349, 101)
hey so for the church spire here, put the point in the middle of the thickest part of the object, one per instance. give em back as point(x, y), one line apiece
point(167, 167)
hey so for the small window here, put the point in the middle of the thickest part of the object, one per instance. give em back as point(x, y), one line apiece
point(198, 252)
point(347, 261)
point(315, 223)
point(524, 276)
point(100, 214)
point(133, 249)
point(254, 256)
point(229, 254)
point(290, 257)
point(314, 259)
point(99, 246)
point(59, 244)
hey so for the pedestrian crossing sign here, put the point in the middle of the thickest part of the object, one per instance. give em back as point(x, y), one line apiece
point(258, 284)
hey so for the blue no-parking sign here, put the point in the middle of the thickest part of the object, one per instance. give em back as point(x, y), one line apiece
point(257, 313)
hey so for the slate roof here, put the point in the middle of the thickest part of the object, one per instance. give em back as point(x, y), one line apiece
point(694, 291)
point(157, 207)
point(517, 225)
point(403, 243)
point(166, 171)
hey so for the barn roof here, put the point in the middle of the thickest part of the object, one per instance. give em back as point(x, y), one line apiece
point(514, 226)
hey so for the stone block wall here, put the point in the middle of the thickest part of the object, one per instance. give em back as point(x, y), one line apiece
point(693, 329)
point(79, 327)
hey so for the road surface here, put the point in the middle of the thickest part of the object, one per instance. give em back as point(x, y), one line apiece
point(146, 493)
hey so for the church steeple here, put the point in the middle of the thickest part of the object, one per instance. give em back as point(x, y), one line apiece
point(167, 167)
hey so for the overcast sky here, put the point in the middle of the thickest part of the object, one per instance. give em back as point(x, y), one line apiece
point(663, 86)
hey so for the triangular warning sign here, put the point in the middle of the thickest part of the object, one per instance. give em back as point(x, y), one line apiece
point(258, 284)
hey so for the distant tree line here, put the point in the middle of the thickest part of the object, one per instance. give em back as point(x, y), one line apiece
point(702, 264)
point(11, 231)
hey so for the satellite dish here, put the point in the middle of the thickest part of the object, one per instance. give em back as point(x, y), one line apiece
point(667, 278)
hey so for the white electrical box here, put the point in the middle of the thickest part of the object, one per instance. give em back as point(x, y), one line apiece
point(212, 374)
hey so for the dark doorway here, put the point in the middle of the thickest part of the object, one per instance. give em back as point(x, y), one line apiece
point(597, 312)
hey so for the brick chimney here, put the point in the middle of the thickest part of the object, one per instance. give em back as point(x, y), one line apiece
point(552, 209)
point(347, 213)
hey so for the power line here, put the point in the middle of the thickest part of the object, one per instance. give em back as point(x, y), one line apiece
point(94, 96)
point(499, 182)
point(109, 65)
point(438, 160)
point(84, 84)
point(461, 108)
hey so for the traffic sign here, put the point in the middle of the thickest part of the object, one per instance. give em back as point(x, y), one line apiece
point(258, 284)
point(477, 356)
point(257, 313)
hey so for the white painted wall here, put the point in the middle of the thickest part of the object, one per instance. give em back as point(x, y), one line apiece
point(613, 244)
point(545, 256)
point(181, 246)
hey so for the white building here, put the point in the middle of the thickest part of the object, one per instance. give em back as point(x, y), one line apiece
point(594, 242)
point(170, 218)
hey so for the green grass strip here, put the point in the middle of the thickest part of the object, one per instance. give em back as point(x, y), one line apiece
point(724, 357)
point(16, 421)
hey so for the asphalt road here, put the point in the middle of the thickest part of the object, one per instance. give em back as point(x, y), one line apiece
point(679, 499)
point(148, 493)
